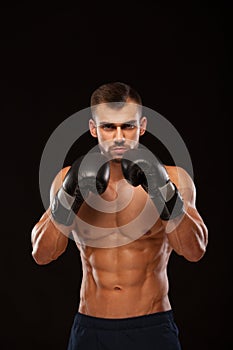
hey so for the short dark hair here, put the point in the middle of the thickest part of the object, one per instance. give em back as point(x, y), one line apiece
point(115, 92)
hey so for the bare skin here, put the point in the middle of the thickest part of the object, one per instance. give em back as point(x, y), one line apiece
point(130, 279)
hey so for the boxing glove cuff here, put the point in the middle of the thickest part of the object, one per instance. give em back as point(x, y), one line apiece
point(64, 207)
point(173, 205)
point(167, 191)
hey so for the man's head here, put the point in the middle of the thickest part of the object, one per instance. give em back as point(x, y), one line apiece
point(117, 119)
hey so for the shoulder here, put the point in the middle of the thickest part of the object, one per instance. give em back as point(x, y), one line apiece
point(180, 177)
point(57, 182)
point(183, 181)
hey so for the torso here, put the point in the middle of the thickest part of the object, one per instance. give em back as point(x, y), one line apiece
point(124, 252)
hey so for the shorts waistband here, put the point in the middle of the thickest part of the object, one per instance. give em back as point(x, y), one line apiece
point(154, 319)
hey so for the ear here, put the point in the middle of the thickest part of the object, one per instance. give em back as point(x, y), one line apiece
point(143, 124)
point(92, 128)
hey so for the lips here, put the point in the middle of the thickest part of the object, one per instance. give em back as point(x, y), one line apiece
point(119, 149)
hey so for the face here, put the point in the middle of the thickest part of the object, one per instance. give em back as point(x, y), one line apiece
point(117, 130)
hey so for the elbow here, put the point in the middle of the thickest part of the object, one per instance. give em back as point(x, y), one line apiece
point(197, 249)
point(44, 255)
point(40, 259)
point(196, 255)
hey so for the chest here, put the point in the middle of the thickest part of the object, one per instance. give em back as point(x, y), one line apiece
point(120, 216)
point(118, 206)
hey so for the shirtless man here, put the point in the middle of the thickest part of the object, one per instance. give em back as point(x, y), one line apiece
point(124, 245)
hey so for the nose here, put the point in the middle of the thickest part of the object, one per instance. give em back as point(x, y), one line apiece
point(119, 137)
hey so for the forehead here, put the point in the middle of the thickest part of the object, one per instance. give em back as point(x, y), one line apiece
point(107, 113)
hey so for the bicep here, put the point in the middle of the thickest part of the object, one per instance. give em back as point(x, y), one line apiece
point(187, 233)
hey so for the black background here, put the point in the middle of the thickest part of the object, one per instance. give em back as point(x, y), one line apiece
point(179, 59)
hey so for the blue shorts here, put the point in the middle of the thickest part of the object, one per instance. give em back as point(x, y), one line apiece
point(156, 331)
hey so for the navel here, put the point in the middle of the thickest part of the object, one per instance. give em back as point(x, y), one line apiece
point(117, 288)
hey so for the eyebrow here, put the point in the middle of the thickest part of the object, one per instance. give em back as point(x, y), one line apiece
point(110, 123)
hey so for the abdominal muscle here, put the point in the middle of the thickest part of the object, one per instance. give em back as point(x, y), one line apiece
point(125, 281)
point(128, 280)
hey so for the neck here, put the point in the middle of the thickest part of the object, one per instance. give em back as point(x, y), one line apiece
point(115, 170)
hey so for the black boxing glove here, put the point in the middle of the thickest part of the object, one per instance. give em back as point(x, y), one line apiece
point(141, 167)
point(87, 173)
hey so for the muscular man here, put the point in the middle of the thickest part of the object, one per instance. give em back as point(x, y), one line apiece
point(124, 245)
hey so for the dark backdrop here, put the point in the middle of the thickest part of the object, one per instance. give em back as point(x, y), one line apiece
point(179, 59)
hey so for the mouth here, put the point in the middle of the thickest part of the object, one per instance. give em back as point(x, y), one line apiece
point(119, 150)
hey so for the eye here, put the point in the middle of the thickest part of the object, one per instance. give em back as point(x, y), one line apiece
point(108, 127)
point(128, 126)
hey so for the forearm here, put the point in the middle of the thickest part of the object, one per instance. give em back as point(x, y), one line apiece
point(48, 242)
point(188, 235)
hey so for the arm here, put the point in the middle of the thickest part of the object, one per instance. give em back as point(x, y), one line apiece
point(187, 235)
point(68, 192)
point(48, 241)
point(173, 193)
